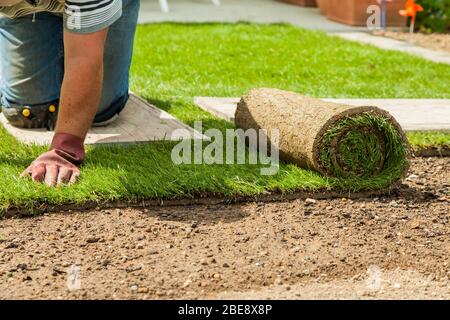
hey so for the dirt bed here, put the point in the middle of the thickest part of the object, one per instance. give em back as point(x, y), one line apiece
point(434, 41)
point(387, 247)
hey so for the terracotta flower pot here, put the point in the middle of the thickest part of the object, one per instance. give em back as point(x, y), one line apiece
point(354, 12)
point(303, 3)
point(322, 4)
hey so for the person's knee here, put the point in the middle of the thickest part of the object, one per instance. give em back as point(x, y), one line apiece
point(30, 116)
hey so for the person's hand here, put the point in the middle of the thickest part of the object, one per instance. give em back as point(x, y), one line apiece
point(53, 169)
point(59, 165)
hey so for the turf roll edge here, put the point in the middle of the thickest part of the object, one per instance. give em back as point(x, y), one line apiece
point(337, 140)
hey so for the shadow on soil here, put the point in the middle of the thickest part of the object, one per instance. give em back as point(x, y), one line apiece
point(193, 214)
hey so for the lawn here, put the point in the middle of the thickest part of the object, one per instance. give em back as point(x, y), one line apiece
point(173, 63)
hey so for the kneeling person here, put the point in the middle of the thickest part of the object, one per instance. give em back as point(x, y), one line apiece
point(65, 65)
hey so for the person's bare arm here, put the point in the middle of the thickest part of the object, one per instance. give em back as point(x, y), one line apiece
point(80, 96)
point(82, 85)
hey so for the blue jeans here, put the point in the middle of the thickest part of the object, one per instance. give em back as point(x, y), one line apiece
point(32, 60)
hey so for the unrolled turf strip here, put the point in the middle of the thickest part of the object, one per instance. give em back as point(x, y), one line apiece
point(334, 139)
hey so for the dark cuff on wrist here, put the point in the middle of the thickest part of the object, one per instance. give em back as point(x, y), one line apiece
point(72, 147)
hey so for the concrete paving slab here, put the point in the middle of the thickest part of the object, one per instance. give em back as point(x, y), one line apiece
point(392, 44)
point(258, 11)
point(412, 114)
point(138, 122)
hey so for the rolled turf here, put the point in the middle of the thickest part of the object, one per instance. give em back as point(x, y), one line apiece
point(342, 141)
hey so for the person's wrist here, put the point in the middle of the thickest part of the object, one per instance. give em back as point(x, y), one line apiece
point(68, 146)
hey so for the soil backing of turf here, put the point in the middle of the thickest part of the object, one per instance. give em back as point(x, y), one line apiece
point(431, 151)
point(201, 200)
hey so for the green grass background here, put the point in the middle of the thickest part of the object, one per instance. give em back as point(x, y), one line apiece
point(173, 63)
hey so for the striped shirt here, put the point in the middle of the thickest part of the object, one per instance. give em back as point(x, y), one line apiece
point(79, 16)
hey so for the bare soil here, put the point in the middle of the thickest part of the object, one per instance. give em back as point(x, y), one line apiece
point(395, 246)
point(433, 41)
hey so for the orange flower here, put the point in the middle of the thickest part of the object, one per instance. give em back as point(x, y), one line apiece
point(411, 10)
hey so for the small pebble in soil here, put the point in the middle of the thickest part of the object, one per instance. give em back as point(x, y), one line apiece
point(22, 266)
point(134, 288)
point(295, 249)
point(415, 224)
point(11, 245)
point(393, 203)
point(142, 290)
point(105, 262)
point(92, 239)
point(133, 268)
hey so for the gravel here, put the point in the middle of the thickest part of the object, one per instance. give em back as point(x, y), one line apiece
point(434, 41)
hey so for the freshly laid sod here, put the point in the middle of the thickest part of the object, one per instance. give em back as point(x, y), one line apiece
point(437, 139)
point(175, 62)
